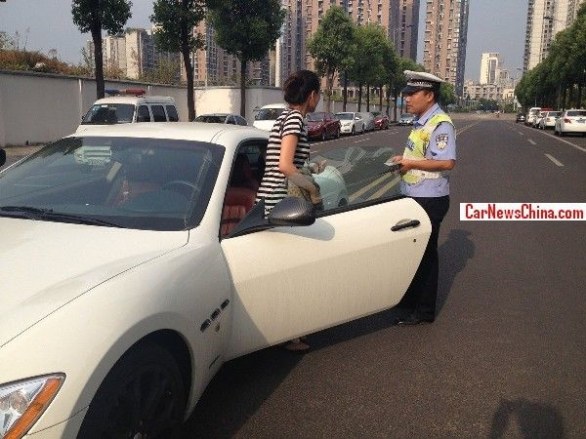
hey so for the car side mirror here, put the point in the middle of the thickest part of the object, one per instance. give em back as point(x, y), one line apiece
point(292, 211)
point(2, 157)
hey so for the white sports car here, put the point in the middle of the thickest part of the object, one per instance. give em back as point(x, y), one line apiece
point(134, 264)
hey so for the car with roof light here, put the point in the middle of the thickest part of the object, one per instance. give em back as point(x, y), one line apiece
point(129, 106)
point(157, 265)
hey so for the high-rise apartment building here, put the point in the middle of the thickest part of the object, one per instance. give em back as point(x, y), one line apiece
point(446, 30)
point(133, 53)
point(399, 18)
point(490, 66)
point(545, 18)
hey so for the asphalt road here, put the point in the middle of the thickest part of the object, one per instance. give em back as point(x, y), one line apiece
point(506, 357)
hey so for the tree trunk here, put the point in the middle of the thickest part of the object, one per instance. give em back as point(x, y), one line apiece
point(329, 88)
point(243, 88)
point(380, 99)
point(359, 96)
point(189, 74)
point(345, 92)
point(367, 97)
point(99, 58)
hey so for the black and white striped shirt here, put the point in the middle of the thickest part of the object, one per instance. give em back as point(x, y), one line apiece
point(273, 187)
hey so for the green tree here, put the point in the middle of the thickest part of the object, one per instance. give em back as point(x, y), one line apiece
point(391, 65)
point(175, 21)
point(401, 81)
point(370, 53)
point(94, 16)
point(246, 29)
point(331, 47)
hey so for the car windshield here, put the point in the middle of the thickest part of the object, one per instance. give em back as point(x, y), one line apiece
point(210, 118)
point(151, 184)
point(316, 117)
point(345, 116)
point(576, 113)
point(269, 113)
point(106, 114)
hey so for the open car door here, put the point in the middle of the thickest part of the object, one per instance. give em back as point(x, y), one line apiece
point(291, 281)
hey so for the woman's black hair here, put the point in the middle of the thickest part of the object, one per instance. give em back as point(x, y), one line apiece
point(299, 86)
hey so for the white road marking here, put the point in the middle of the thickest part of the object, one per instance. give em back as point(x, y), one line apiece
point(387, 187)
point(553, 159)
point(366, 188)
point(531, 141)
point(520, 133)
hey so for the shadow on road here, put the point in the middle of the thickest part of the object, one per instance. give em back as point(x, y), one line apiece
point(533, 420)
point(454, 254)
point(236, 393)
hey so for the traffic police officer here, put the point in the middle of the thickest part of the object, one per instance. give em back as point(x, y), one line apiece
point(429, 155)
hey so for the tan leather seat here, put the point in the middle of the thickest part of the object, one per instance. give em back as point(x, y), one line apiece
point(238, 202)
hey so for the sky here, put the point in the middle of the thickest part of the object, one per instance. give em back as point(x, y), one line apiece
point(43, 25)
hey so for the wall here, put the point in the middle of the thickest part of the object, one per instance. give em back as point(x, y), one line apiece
point(39, 108)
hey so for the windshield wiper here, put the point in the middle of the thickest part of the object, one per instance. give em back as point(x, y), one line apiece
point(51, 215)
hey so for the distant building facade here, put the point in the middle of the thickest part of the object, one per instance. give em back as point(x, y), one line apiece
point(399, 19)
point(490, 67)
point(545, 18)
point(133, 54)
point(445, 40)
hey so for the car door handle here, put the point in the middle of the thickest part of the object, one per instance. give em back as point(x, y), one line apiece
point(404, 224)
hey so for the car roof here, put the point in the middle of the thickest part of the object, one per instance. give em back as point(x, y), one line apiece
point(135, 99)
point(193, 131)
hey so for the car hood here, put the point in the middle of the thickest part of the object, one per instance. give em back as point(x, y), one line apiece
point(47, 264)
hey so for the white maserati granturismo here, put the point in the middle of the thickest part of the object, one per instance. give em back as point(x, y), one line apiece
point(135, 263)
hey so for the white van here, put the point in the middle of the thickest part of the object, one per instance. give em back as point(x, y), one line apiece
point(130, 107)
point(267, 115)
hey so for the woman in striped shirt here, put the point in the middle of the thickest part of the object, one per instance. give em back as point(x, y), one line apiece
point(288, 149)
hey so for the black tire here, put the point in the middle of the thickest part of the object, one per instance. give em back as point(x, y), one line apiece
point(142, 396)
point(353, 130)
point(324, 137)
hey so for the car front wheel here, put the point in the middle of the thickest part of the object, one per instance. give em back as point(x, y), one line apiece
point(143, 396)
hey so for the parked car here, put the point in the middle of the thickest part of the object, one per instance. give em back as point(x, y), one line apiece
point(129, 106)
point(134, 266)
point(538, 118)
point(381, 120)
point(548, 120)
point(520, 118)
point(368, 118)
point(532, 115)
point(406, 119)
point(322, 125)
point(267, 115)
point(232, 119)
point(351, 122)
point(571, 121)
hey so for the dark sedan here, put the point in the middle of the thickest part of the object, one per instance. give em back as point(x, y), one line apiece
point(322, 125)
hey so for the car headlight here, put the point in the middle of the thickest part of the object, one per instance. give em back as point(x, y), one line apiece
point(23, 402)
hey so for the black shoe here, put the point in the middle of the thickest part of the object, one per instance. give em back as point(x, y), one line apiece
point(412, 320)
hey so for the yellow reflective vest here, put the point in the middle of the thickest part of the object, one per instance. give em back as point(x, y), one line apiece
point(416, 148)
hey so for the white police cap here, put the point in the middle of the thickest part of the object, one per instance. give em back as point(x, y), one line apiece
point(420, 81)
